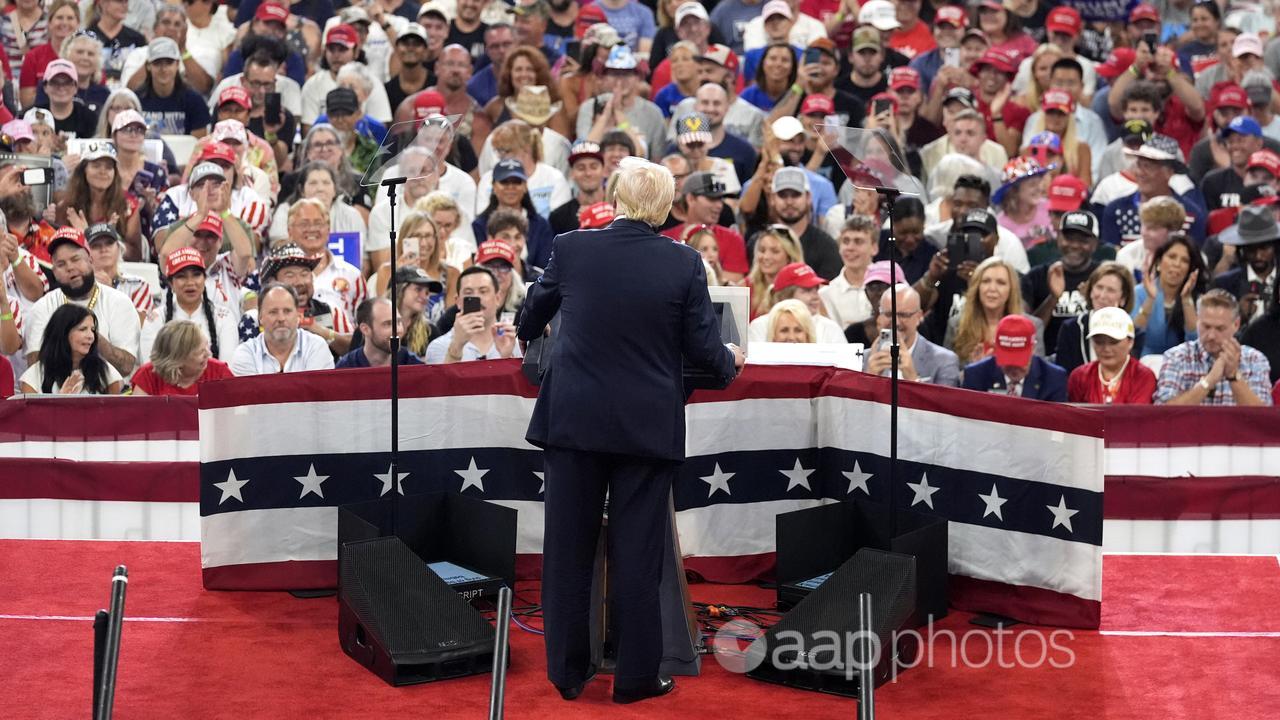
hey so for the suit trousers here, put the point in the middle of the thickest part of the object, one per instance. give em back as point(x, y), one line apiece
point(638, 491)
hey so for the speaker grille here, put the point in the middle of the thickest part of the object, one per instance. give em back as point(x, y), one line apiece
point(405, 605)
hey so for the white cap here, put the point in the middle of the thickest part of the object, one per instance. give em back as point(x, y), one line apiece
point(690, 9)
point(1113, 322)
point(880, 14)
point(786, 127)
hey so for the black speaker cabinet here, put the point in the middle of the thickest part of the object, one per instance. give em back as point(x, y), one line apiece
point(441, 526)
point(400, 620)
point(814, 646)
point(815, 541)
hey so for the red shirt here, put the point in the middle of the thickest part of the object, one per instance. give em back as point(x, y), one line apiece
point(1014, 116)
point(1137, 385)
point(914, 42)
point(1175, 123)
point(33, 65)
point(150, 383)
point(733, 249)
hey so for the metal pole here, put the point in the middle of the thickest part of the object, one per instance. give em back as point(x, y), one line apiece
point(390, 184)
point(111, 659)
point(894, 360)
point(866, 668)
point(498, 690)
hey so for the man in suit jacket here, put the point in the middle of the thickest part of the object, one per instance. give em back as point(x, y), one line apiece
point(921, 361)
point(1255, 237)
point(634, 311)
point(1015, 369)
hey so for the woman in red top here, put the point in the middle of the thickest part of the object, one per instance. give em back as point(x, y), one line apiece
point(180, 361)
point(1115, 378)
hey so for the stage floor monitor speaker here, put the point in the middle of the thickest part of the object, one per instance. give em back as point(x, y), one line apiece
point(401, 621)
point(814, 646)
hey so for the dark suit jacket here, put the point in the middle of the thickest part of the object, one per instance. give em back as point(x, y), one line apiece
point(633, 310)
point(1234, 281)
point(1046, 381)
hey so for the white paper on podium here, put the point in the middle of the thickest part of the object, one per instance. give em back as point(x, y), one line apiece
point(847, 357)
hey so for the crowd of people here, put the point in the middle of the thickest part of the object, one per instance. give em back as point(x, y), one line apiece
point(1096, 218)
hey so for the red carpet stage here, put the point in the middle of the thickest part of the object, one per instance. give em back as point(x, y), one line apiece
point(1181, 637)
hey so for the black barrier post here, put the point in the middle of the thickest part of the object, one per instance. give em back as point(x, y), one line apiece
point(498, 690)
point(106, 690)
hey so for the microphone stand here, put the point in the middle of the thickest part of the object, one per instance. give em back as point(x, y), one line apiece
point(887, 197)
point(390, 184)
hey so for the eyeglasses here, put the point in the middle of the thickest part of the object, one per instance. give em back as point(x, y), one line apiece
point(500, 269)
point(310, 224)
point(324, 145)
point(132, 130)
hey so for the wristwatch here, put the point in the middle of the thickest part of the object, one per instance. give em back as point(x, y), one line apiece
point(1231, 379)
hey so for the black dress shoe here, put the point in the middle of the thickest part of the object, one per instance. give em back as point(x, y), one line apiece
point(572, 693)
point(661, 686)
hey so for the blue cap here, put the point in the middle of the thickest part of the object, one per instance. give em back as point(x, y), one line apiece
point(1243, 125)
point(507, 169)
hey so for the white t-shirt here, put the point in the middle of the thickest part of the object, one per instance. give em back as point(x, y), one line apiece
point(455, 183)
point(341, 286)
point(318, 86)
point(1133, 256)
point(310, 352)
point(805, 30)
point(225, 321)
point(547, 188)
point(829, 331)
point(290, 92)
point(555, 152)
point(117, 318)
point(246, 204)
point(34, 376)
point(206, 45)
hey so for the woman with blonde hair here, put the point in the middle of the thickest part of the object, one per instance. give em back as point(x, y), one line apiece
point(994, 291)
point(64, 21)
point(1058, 116)
point(180, 361)
point(775, 248)
point(420, 245)
point(791, 322)
point(1042, 61)
point(452, 224)
point(703, 239)
point(685, 77)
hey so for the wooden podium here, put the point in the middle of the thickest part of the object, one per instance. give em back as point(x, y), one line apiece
point(680, 638)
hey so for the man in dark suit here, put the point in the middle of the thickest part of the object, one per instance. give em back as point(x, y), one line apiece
point(1255, 237)
point(1015, 369)
point(634, 311)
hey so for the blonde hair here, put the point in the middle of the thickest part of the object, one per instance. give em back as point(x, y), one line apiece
point(1034, 92)
point(1163, 212)
point(516, 135)
point(411, 223)
point(1070, 143)
point(435, 201)
point(300, 203)
point(972, 329)
point(797, 310)
point(761, 294)
point(174, 344)
point(643, 191)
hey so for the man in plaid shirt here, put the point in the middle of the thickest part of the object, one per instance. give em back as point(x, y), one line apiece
point(1215, 369)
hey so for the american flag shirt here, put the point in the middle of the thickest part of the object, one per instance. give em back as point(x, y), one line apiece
point(1121, 224)
point(1185, 364)
point(11, 279)
point(138, 290)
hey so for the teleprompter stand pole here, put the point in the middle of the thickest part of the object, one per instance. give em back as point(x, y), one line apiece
point(390, 184)
point(498, 690)
point(887, 197)
point(105, 691)
point(866, 664)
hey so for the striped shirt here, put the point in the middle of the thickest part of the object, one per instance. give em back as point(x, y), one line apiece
point(17, 43)
point(138, 290)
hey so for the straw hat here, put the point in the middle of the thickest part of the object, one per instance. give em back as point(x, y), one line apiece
point(533, 105)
